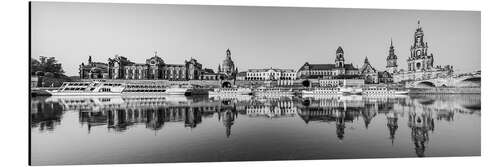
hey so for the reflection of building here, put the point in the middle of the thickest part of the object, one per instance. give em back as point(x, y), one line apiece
point(228, 117)
point(420, 122)
point(337, 70)
point(421, 63)
point(272, 109)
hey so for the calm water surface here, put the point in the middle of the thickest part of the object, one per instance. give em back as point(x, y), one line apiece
point(154, 129)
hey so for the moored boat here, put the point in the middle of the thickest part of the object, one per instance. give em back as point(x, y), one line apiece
point(384, 91)
point(273, 91)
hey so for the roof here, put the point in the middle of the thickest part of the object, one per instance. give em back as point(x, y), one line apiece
point(267, 69)
point(326, 67)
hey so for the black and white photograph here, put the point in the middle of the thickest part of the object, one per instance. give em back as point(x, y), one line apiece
point(132, 83)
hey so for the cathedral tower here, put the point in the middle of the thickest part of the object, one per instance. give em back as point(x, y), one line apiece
point(392, 60)
point(419, 59)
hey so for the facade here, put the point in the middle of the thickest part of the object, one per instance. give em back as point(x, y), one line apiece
point(93, 70)
point(155, 68)
point(228, 68)
point(369, 73)
point(421, 63)
point(337, 70)
point(270, 74)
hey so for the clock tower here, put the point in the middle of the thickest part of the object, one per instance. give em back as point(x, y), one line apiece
point(419, 60)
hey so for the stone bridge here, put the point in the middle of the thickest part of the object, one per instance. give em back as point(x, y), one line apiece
point(457, 81)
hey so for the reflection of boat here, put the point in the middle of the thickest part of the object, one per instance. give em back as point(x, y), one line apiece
point(98, 88)
point(229, 91)
point(383, 91)
point(274, 91)
point(350, 90)
point(230, 97)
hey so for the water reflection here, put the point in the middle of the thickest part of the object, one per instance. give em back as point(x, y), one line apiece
point(119, 114)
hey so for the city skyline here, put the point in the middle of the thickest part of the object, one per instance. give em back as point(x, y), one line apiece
point(180, 32)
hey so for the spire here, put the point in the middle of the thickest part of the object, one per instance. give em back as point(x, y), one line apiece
point(418, 23)
point(340, 50)
point(90, 59)
point(156, 53)
point(228, 53)
point(366, 60)
point(391, 41)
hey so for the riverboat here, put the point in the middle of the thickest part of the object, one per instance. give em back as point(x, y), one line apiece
point(321, 91)
point(384, 91)
point(273, 91)
point(98, 88)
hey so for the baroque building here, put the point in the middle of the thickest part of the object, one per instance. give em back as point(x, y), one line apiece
point(154, 68)
point(421, 62)
point(337, 70)
point(270, 74)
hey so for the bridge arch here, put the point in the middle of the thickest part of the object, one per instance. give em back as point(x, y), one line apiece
point(470, 82)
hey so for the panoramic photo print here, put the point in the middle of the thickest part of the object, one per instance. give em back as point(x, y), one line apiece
point(118, 83)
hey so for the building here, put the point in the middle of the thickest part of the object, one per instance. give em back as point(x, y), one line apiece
point(154, 68)
point(421, 63)
point(369, 73)
point(93, 70)
point(337, 70)
point(270, 74)
point(228, 67)
point(209, 74)
point(385, 77)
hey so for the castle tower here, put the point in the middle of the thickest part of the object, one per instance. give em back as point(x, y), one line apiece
point(392, 60)
point(339, 58)
point(419, 60)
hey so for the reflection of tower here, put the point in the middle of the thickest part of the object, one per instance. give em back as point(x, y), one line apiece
point(392, 124)
point(420, 123)
point(368, 115)
point(228, 121)
point(340, 123)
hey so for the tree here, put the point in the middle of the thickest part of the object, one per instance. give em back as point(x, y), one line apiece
point(46, 65)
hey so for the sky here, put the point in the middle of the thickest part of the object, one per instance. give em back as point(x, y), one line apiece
point(258, 37)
